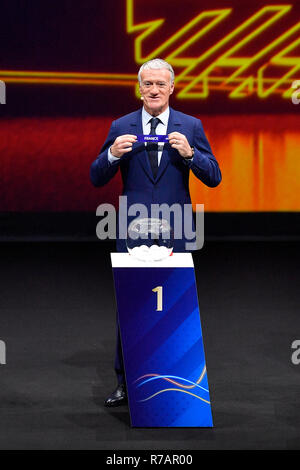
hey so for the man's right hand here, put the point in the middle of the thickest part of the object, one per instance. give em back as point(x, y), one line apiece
point(122, 144)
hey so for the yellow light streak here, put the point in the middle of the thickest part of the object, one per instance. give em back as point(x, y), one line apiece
point(189, 84)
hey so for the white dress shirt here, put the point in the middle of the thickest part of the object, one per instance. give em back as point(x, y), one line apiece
point(161, 129)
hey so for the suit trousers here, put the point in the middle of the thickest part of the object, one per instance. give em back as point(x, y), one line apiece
point(119, 363)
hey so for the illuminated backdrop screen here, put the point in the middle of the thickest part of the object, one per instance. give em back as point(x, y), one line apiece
point(70, 69)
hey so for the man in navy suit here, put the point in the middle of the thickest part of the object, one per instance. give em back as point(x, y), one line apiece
point(152, 173)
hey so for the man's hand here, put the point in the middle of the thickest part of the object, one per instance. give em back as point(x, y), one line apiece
point(179, 142)
point(122, 144)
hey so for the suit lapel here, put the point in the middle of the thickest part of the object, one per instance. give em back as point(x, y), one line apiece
point(173, 125)
point(140, 149)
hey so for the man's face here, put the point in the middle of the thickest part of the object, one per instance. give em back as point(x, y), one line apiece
point(156, 87)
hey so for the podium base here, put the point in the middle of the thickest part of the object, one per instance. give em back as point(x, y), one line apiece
point(162, 342)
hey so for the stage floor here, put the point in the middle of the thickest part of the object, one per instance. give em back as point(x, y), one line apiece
point(58, 323)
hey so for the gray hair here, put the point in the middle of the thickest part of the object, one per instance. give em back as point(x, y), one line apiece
point(156, 64)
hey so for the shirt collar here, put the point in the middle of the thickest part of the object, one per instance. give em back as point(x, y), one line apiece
point(164, 117)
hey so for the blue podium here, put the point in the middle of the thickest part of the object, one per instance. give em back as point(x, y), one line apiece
point(162, 342)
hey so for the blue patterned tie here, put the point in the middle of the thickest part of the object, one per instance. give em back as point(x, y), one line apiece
point(152, 148)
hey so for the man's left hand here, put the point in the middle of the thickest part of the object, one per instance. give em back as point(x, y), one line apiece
point(179, 142)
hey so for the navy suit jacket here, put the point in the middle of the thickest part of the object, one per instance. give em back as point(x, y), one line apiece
point(171, 184)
